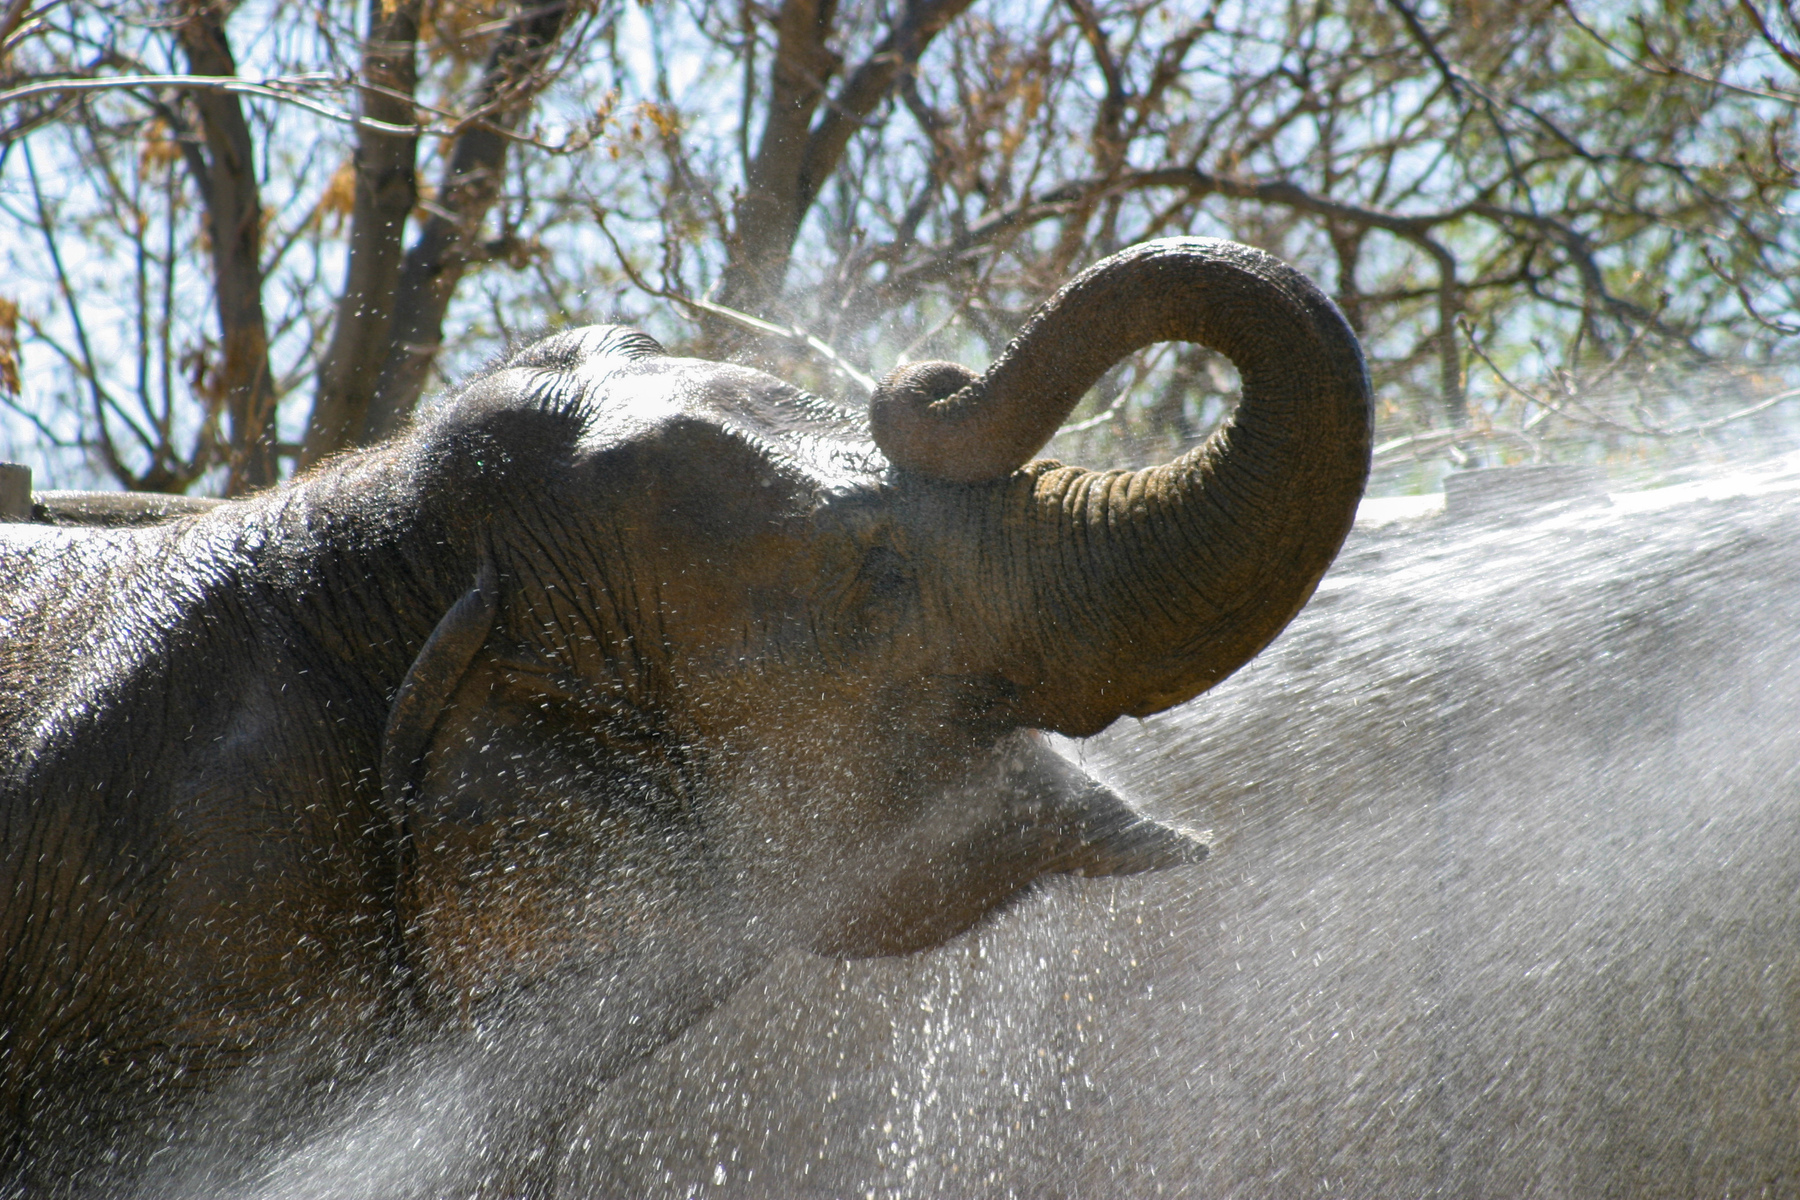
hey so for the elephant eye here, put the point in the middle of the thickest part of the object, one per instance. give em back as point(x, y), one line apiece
point(881, 596)
point(884, 575)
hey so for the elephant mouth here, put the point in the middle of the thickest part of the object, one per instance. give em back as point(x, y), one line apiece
point(1051, 818)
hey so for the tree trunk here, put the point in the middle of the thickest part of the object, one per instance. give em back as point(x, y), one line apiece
point(1125, 592)
point(768, 213)
point(795, 157)
point(234, 224)
point(447, 242)
point(386, 190)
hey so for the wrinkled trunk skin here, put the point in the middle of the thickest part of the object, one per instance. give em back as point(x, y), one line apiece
point(1501, 903)
point(1125, 592)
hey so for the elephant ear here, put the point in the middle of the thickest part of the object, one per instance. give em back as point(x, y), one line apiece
point(430, 683)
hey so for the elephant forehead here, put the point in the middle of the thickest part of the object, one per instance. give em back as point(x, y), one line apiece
point(789, 428)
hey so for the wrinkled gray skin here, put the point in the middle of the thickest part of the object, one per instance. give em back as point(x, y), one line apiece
point(1504, 901)
point(404, 805)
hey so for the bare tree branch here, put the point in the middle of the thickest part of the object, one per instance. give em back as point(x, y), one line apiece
point(279, 88)
point(515, 73)
point(793, 334)
point(794, 157)
point(386, 190)
point(234, 220)
point(1660, 65)
point(282, 88)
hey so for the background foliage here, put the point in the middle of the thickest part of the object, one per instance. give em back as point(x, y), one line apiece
point(237, 238)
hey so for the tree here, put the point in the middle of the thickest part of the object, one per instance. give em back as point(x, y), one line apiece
point(391, 307)
point(1505, 198)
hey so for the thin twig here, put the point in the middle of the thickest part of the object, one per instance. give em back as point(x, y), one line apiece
point(1591, 419)
point(1437, 439)
point(1595, 421)
point(1751, 410)
point(274, 88)
point(1662, 66)
point(48, 434)
point(103, 400)
point(11, 17)
point(1743, 294)
point(1094, 422)
point(1787, 55)
point(280, 88)
point(1117, 405)
point(789, 333)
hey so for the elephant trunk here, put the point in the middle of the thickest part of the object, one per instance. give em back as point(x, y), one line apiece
point(1131, 591)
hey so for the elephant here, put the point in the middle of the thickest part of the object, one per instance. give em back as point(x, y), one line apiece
point(409, 802)
point(1501, 902)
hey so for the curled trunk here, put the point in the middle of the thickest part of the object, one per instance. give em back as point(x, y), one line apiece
point(1131, 591)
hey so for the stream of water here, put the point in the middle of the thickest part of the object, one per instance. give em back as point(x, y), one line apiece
point(1505, 900)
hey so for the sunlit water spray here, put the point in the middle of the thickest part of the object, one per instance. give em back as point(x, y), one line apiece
point(1504, 900)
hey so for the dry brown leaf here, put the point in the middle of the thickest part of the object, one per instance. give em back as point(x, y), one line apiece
point(159, 149)
point(9, 346)
point(338, 200)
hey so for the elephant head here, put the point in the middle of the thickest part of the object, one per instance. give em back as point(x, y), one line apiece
point(717, 634)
